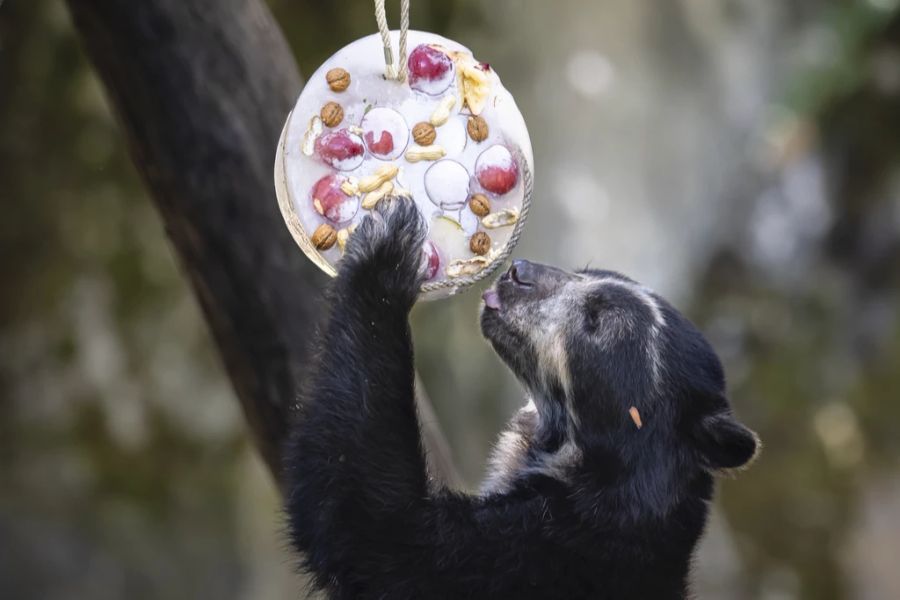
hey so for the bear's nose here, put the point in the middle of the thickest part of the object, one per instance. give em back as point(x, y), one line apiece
point(527, 274)
point(523, 272)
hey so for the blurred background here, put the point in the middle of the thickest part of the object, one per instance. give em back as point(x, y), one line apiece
point(742, 157)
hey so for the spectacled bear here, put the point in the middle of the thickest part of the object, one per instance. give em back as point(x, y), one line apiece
point(600, 487)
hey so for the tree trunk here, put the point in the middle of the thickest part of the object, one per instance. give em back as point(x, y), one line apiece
point(202, 89)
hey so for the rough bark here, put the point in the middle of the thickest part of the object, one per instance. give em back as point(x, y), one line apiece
point(201, 89)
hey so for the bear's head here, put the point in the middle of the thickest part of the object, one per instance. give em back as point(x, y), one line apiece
point(609, 363)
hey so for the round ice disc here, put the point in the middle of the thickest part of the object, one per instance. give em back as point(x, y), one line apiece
point(448, 138)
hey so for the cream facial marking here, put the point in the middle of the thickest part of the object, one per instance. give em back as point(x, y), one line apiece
point(509, 456)
point(549, 340)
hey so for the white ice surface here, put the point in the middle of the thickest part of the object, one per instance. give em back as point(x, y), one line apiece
point(363, 59)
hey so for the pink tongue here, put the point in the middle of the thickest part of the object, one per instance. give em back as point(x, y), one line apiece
point(491, 299)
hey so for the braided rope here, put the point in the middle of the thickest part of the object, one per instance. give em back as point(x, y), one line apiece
point(404, 27)
point(463, 282)
point(392, 71)
point(381, 19)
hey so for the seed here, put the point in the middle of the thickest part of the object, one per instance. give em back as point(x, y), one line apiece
point(377, 179)
point(332, 114)
point(313, 130)
point(342, 236)
point(338, 79)
point(372, 198)
point(471, 266)
point(502, 218)
point(442, 113)
point(350, 186)
point(432, 152)
point(324, 237)
point(424, 133)
point(480, 243)
point(480, 205)
point(477, 128)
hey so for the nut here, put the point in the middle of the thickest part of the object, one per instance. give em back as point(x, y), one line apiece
point(313, 130)
point(480, 243)
point(338, 79)
point(350, 186)
point(377, 179)
point(372, 198)
point(432, 152)
point(324, 237)
point(442, 113)
point(502, 218)
point(480, 205)
point(476, 126)
point(342, 236)
point(424, 133)
point(332, 114)
point(471, 266)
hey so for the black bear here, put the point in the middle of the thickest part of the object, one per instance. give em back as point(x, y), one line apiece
point(600, 487)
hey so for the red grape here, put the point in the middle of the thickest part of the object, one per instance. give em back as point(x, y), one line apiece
point(496, 169)
point(384, 145)
point(430, 70)
point(385, 132)
point(330, 201)
point(341, 149)
point(431, 259)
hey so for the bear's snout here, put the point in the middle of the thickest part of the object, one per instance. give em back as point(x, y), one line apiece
point(526, 279)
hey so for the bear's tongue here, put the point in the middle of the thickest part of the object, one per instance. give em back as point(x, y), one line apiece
point(491, 299)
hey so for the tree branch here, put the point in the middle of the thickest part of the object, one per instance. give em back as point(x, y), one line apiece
point(201, 89)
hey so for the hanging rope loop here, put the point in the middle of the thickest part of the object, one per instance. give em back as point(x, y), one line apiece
point(392, 71)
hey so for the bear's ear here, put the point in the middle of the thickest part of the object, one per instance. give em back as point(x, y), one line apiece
point(724, 443)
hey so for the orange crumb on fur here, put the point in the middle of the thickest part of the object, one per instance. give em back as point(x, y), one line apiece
point(635, 416)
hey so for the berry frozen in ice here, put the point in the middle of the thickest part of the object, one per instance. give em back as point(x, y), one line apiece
point(341, 149)
point(330, 201)
point(496, 169)
point(385, 132)
point(447, 184)
point(383, 146)
point(430, 70)
point(431, 260)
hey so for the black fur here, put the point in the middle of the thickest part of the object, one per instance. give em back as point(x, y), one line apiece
point(618, 520)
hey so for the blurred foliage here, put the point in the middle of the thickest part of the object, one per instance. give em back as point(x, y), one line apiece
point(124, 468)
point(95, 462)
point(819, 371)
point(847, 31)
